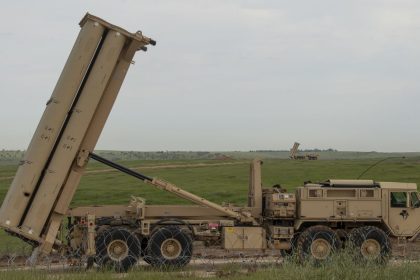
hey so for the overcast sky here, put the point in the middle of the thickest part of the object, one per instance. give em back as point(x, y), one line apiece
point(230, 75)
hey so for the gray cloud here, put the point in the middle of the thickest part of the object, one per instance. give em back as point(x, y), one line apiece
point(231, 75)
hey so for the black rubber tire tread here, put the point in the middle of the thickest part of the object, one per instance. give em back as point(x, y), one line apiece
point(343, 236)
point(90, 262)
point(154, 254)
point(359, 235)
point(144, 243)
point(303, 248)
point(118, 233)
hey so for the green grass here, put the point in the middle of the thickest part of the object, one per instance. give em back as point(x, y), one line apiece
point(8, 157)
point(228, 183)
point(340, 268)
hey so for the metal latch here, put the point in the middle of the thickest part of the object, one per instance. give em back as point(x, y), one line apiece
point(82, 158)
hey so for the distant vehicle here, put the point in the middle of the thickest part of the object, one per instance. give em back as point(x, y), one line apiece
point(294, 153)
point(314, 221)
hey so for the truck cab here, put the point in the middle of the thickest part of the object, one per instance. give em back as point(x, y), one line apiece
point(402, 213)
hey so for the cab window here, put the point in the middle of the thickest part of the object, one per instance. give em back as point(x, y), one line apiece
point(414, 200)
point(399, 199)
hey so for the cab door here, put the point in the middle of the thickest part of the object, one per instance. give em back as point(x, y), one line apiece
point(404, 212)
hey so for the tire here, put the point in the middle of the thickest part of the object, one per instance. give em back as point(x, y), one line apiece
point(144, 243)
point(169, 247)
point(90, 262)
point(371, 243)
point(317, 244)
point(118, 249)
point(343, 236)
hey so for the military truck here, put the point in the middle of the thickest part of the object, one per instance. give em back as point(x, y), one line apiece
point(295, 155)
point(314, 221)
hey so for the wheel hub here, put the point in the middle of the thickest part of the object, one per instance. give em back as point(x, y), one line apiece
point(320, 249)
point(370, 248)
point(117, 250)
point(171, 248)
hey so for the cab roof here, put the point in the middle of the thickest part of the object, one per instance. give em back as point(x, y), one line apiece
point(364, 184)
point(395, 185)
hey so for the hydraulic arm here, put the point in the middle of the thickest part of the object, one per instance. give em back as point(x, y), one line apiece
point(243, 217)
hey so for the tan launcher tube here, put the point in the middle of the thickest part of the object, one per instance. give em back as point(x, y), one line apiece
point(96, 126)
point(74, 133)
point(69, 129)
point(48, 130)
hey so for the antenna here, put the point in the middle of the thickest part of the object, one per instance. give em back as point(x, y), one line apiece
point(376, 163)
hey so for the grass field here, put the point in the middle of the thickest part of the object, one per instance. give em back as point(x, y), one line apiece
point(227, 182)
point(10, 157)
point(341, 267)
point(219, 181)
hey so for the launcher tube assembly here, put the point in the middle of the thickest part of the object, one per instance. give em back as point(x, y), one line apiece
point(71, 124)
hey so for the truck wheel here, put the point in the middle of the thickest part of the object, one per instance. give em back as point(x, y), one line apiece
point(317, 244)
point(169, 247)
point(117, 248)
point(371, 243)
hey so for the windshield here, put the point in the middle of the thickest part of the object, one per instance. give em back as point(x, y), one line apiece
point(414, 199)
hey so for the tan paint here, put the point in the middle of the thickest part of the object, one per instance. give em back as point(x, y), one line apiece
point(345, 202)
point(95, 128)
point(255, 188)
point(340, 203)
point(74, 133)
point(403, 221)
point(240, 215)
point(294, 150)
point(82, 131)
point(242, 238)
point(91, 248)
point(49, 127)
point(50, 238)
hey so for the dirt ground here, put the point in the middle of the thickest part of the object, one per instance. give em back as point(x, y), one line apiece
point(211, 258)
